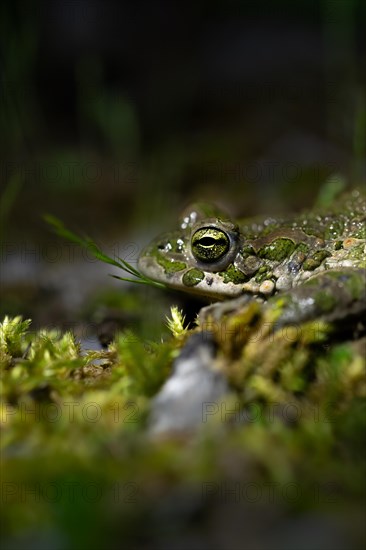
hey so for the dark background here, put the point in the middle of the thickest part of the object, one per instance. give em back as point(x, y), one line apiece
point(114, 116)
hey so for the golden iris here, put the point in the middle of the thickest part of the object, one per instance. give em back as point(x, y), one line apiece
point(209, 244)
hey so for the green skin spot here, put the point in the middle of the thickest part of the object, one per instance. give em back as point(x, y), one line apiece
point(262, 246)
point(175, 246)
point(170, 266)
point(193, 277)
point(325, 301)
point(302, 247)
point(233, 275)
point(247, 250)
point(358, 252)
point(354, 282)
point(262, 274)
point(336, 228)
point(315, 260)
point(338, 245)
point(360, 233)
point(260, 278)
point(278, 250)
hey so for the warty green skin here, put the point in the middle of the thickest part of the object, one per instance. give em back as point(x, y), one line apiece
point(316, 260)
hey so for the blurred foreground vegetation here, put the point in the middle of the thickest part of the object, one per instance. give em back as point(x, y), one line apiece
point(285, 448)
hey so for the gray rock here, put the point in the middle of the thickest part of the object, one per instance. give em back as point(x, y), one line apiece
point(180, 404)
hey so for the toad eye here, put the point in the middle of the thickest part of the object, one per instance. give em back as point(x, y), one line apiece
point(209, 244)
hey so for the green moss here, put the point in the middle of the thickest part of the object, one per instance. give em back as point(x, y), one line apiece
point(300, 396)
point(351, 423)
point(12, 338)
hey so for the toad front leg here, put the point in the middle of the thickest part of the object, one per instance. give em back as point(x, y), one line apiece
point(335, 296)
